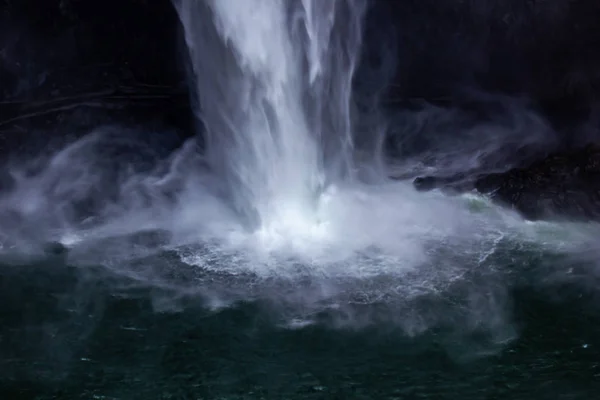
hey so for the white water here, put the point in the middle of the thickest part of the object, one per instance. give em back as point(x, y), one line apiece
point(275, 196)
point(274, 81)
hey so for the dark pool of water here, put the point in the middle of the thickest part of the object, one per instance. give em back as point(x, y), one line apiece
point(68, 335)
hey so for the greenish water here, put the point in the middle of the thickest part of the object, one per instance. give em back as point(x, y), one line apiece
point(72, 332)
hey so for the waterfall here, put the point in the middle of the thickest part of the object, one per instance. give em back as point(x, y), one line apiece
point(273, 79)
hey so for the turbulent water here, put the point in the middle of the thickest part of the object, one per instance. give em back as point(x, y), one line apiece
point(207, 266)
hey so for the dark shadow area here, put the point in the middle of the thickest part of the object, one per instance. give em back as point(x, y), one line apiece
point(70, 66)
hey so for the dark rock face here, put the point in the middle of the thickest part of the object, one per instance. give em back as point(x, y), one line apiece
point(561, 186)
point(544, 49)
point(428, 50)
point(69, 66)
point(66, 46)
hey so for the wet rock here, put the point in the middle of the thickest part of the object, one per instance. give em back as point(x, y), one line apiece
point(55, 249)
point(560, 186)
point(448, 184)
point(426, 183)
